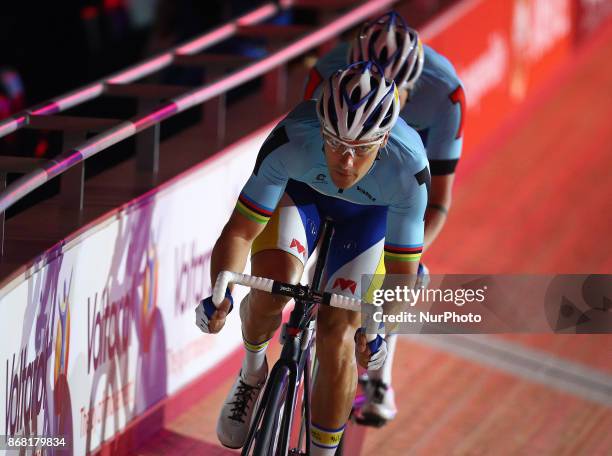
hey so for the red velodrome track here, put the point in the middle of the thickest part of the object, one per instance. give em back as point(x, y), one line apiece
point(536, 199)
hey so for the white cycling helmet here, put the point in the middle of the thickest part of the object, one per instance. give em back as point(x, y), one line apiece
point(393, 45)
point(358, 103)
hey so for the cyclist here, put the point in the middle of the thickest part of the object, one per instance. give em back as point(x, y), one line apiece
point(347, 157)
point(432, 102)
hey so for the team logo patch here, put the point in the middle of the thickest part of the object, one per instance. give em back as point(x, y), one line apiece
point(320, 179)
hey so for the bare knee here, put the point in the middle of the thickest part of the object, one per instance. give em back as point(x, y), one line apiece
point(275, 265)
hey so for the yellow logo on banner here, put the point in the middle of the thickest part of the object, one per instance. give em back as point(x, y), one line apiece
point(62, 336)
point(149, 294)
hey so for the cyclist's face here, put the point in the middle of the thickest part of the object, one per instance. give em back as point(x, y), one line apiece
point(348, 162)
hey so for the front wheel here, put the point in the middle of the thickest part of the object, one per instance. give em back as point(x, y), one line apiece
point(267, 435)
point(340, 449)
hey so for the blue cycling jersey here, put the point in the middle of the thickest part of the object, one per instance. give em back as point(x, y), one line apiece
point(399, 179)
point(435, 106)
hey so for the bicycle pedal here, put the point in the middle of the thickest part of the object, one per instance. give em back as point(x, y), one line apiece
point(359, 401)
point(371, 420)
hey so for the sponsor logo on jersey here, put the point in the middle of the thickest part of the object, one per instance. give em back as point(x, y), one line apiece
point(298, 246)
point(345, 284)
point(366, 193)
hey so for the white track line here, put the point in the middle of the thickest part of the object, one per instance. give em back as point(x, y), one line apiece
point(525, 362)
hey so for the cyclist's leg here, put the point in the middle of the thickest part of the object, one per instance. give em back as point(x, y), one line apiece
point(379, 406)
point(384, 374)
point(357, 249)
point(279, 253)
point(380, 397)
point(336, 380)
point(261, 312)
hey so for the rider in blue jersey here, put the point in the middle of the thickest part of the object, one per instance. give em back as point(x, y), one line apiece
point(431, 94)
point(293, 153)
point(347, 157)
point(432, 102)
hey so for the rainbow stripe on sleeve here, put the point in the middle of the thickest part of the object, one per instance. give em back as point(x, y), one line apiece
point(253, 211)
point(403, 252)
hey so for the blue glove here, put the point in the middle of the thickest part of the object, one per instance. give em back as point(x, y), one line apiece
point(378, 351)
point(206, 309)
point(423, 279)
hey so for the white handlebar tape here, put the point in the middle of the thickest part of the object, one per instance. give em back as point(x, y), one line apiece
point(259, 283)
point(226, 277)
point(344, 302)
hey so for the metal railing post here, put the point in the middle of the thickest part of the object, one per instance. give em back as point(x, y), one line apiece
point(147, 142)
point(214, 112)
point(215, 67)
point(3, 176)
point(19, 165)
point(275, 86)
point(72, 182)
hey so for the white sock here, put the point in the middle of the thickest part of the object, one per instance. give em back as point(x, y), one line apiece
point(324, 441)
point(255, 356)
point(384, 373)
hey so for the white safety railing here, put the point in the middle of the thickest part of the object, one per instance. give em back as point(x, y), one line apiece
point(141, 70)
point(60, 164)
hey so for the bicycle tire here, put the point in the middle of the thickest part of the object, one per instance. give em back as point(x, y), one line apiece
point(265, 436)
point(340, 449)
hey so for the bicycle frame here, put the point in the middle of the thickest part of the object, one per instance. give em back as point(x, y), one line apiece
point(297, 339)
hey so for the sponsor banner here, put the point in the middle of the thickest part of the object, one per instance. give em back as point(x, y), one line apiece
point(501, 59)
point(542, 39)
point(485, 304)
point(591, 15)
point(480, 51)
point(102, 328)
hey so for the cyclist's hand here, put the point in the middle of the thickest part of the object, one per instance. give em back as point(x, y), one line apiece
point(370, 355)
point(211, 319)
point(422, 276)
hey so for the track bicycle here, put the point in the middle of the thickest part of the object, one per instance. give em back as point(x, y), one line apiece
point(270, 431)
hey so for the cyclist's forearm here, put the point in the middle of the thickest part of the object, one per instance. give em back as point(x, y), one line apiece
point(229, 254)
point(397, 287)
point(440, 198)
point(435, 218)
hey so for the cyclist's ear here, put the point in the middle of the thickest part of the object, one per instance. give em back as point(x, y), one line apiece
point(385, 140)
